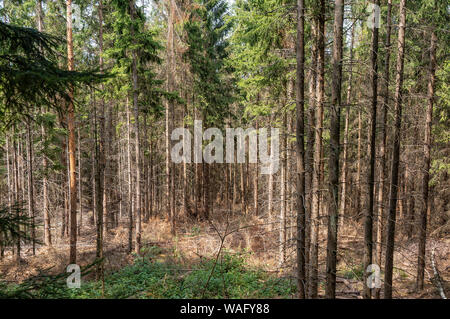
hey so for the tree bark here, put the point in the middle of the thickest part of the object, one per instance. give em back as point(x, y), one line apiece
point(300, 147)
point(343, 199)
point(335, 113)
point(382, 155)
point(368, 221)
point(320, 94)
point(396, 155)
point(427, 162)
point(100, 162)
point(31, 208)
point(72, 144)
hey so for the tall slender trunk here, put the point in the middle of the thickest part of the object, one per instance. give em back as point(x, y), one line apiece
point(94, 159)
point(368, 221)
point(358, 164)
point(320, 92)
point(16, 193)
point(169, 114)
point(8, 176)
point(270, 199)
point(333, 164)
point(343, 199)
point(130, 179)
point(46, 215)
point(283, 193)
point(100, 162)
point(427, 161)
point(382, 155)
point(31, 208)
point(309, 167)
point(300, 147)
point(80, 197)
point(389, 265)
point(255, 183)
point(72, 143)
point(138, 203)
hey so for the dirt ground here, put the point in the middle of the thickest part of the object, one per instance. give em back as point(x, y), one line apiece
point(197, 240)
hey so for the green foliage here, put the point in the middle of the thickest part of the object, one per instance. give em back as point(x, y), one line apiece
point(126, 35)
point(354, 272)
point(146, 278)
point(13, 221)
point(207, 29)
point(42, 286)
point(29, 74)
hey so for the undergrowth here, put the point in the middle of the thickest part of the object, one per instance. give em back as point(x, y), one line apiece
point(149, 278)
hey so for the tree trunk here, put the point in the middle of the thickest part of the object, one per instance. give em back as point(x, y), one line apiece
point(300, 147)
point(130, 179)
point(333, 164)
point(283, 193)
point(100, 162)
point(343, 199)
point(427, 162)
point(72, 143)
point(396, 154)
point(138, 202)
point(368, 221)
point(382, 155)
point(320, 93)
point(309, 168)
point(169, 113)
point(31, 210)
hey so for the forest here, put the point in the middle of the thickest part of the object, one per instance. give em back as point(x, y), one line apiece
point(192, 149)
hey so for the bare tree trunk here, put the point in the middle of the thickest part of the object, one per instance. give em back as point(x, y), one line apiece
point(255, 183)
point(382, 155)
point(427, 161)
point(320, 92)
point(243, 190)
point(16, 194)
point(80, 198)
point(31, 210)
point(396, 155)
point(282, 247)
point(300, 147)
point(137, 246)
point(334, 150)
point(343, 201)
point(169, 113)
point(100, 162)
point(8, 174)
point(270, 200)
point(72, 144)
point(368, 221)
point(309, 167)
point(358, 163)
point(130, 179)
point(46, 215)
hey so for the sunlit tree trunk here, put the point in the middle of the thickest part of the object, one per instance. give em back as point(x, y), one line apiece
point(72, 143)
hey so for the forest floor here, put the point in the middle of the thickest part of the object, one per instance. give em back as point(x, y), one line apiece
point(197, 244)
